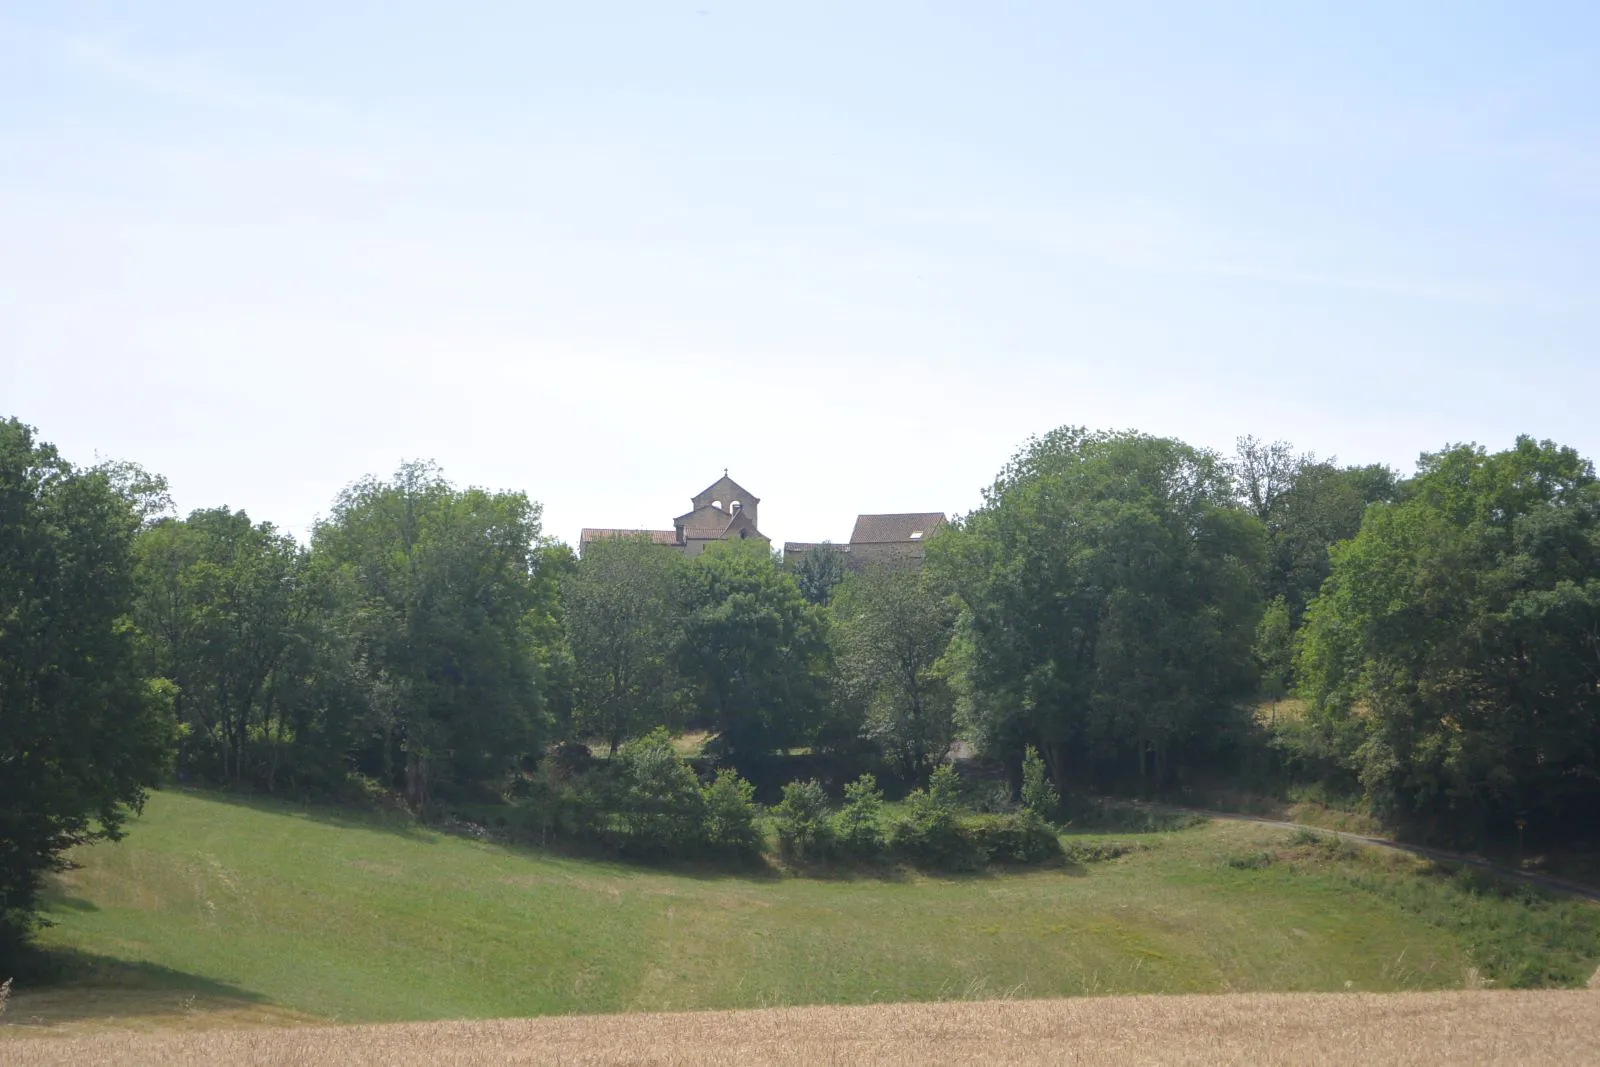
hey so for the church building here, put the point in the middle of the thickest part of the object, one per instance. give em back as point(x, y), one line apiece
point(722, 511)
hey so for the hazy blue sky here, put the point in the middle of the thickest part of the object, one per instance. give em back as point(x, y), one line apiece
point(856, 253)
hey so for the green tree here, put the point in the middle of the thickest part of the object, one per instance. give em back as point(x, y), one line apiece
point(82, 732)
point(1454, 655)
point(890, 631)
point(446, 603)
point(819, 571)
point(621, 615)
point(219, 609)
point(1109, 593)
point(1275, 651)
point(663, 809)
point(753, 653)
point(805, 831)
point(1039, 795)
point(1308, 506)
point(730, 809)
point(859, 823)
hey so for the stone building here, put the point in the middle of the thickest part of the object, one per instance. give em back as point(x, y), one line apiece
point(896, 539)
point(722, 511)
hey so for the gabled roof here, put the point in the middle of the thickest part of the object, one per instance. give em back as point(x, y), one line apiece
point(704, 522)
point(657, 537)
point(737, 526)
point(877, 529)
point(726, 490)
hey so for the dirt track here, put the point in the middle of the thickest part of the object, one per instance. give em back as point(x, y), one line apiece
point(1439, 855)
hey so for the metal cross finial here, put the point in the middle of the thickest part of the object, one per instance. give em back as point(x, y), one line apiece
point(724, 472)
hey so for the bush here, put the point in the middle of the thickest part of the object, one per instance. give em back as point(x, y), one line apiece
point(857, 826)
point(1020, 837)
point(931, 834)
point(805, 833)
point(662, 810)
point(1038, 794)
point(944, 787)
point(730, 815)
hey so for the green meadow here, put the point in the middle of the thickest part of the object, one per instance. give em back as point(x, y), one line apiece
point(227, 902)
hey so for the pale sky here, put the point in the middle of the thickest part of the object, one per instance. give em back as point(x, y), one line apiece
point(856, 253)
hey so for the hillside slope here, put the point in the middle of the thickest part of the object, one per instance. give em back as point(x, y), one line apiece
point(258, 906)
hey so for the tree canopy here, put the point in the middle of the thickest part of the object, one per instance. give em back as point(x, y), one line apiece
point(1455, 650)
point(83, 731)
point(1110, 601)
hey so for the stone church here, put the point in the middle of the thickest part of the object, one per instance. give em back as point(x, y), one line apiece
point(722, 511)
point(726, 511)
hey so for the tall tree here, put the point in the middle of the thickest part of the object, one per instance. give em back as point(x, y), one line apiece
point(446, 597)
point(890, 632)
point(1110, 603)
point(217, 604)
point(753, 653)
point(1455, 650)
point(622, 621)
point(82, 734)
point(1308, 506)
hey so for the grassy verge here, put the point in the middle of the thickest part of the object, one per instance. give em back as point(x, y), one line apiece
point(323, 913)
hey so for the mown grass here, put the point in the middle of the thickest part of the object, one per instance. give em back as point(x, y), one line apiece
point(366, 918)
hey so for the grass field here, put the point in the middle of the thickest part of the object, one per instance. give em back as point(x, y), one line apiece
point(1308, 1030)
point(249, 910)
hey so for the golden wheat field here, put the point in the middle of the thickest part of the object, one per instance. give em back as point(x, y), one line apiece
point(1525, 1028)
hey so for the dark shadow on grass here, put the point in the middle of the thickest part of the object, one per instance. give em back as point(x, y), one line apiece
point(347, 816)
point(57, 901)
point(61, 970)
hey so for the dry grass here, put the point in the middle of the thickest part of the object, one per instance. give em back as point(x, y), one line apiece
point(1291, 1028)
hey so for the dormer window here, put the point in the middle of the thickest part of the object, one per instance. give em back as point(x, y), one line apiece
point(916, 535)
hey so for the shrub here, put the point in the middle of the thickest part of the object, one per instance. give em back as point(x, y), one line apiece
point(944, 787)
point(805, 833)
point(1087, 852)
point(730, 815)
point(662, 811)
point(931, 834)
point(1018, 837)
point(1038, 794)
point(857, 826)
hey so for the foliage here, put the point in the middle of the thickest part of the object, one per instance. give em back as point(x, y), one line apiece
point(729, 803)
point(890, 631)
point(1454, 656)
point(82, 732)
point(1274, 650)
point(1038, 792)
point(819, 570)
point(1019, 837)
point(753, 653)
point(223, 609)
point(621, 608)
point(1109, 591)
point(663, 811)
point(1307, 506)
point(858, 826)
point(445, 593)
point(805, 832)
point(931, 834)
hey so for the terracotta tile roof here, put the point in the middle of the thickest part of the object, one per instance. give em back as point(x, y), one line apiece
point(657, 537)
point(877, 529)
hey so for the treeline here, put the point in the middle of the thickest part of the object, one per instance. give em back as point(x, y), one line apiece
point(1122, 603)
